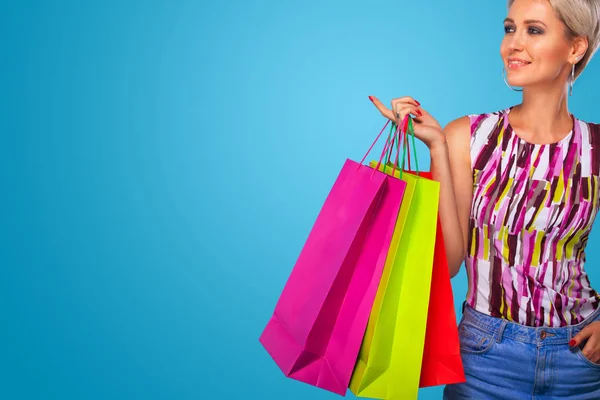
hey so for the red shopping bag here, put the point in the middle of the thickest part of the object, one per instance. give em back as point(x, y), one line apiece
point(442, 364)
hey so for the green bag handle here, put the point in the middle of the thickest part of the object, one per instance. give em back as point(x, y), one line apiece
point(410, 129)
point(394, 139)
point(391, 142)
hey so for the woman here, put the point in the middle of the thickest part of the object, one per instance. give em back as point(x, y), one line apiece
point(520, 189)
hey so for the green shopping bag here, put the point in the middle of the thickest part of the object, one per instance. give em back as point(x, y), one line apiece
point(389, 362)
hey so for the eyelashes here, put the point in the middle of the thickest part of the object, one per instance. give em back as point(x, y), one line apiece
point(531, 30)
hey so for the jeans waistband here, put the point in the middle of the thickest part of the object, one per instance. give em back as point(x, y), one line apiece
point(541, 336)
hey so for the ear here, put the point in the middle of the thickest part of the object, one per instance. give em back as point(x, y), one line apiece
point(579, 47)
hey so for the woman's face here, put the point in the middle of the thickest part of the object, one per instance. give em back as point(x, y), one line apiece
point(535, 48)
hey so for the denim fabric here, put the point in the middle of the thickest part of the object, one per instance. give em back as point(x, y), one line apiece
point(504, 360)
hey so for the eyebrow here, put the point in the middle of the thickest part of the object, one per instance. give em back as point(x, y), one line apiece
point(527, 21)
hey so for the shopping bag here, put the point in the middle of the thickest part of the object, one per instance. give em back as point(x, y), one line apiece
point(317, 327)
point(442, 364)
point(389, 363)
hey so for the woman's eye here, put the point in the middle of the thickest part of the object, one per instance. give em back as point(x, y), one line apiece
point(531, 30)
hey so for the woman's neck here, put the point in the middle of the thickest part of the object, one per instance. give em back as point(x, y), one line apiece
point(543, 116)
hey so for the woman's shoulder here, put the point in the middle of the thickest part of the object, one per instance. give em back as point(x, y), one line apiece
point(592, 125)
point(590, 131)
point(478, 119)
point(471, 123)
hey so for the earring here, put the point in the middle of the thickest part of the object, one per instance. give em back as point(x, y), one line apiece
point(505, 81)
point(572, 80)
point(573, 75)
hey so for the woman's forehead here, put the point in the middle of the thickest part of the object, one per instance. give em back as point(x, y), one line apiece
point(522, 11)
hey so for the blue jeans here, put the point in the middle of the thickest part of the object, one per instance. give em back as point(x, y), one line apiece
point(505, 361)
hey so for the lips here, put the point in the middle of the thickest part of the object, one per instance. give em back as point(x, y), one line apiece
point(517, 63)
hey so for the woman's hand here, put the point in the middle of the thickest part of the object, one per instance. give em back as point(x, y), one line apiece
point(426, 128)
point(591, 350)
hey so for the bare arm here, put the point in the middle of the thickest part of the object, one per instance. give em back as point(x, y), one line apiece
point(451, 166)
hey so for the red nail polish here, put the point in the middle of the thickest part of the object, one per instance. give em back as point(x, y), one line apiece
point(419, 104)
point(371, 98)
point(419, 112)
point(572, 343)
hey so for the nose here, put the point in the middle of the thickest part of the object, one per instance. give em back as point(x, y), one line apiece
point(514, 46)
point(515, 43)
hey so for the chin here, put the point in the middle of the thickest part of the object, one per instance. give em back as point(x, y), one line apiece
point(521, 78)
point(518, 82)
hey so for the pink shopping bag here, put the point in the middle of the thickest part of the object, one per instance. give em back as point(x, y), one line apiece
point(317, 328)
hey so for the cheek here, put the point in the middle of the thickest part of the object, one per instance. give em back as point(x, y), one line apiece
point(504, 50)
point(549, 59)
point(549, 51)
point(546, 53)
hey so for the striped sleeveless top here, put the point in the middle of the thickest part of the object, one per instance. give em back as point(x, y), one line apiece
point(532, 210)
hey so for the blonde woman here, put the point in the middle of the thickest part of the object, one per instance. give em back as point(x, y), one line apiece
point(520, 189)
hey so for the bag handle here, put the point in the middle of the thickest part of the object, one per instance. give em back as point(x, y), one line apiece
point(414, 146)
point(375, 141)
point(406, 148)
point(405, 129)
point(387, 147)
point(393, 138)
point(398, 134)
point(393, 141)
point(397, 140)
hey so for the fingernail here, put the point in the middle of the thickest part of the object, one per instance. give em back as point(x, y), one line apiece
point(371, 98)
point(572, 343)
point(419, 104)
point(419, 112)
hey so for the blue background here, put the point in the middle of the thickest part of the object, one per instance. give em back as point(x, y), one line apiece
point(163, 163)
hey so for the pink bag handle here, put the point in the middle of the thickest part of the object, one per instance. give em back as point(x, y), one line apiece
point(389, 146)
point(376, 139)
point(389, 149)
point(398, 135)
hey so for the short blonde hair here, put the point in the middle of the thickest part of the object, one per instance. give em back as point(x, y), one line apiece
point(582, 18)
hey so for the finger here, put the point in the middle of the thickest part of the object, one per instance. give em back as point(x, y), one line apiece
point(591, 347)
point(581, 336)
point(404, 109)
point(386, 112)
point(405, 99)
point(400, 116)
point(590, 353)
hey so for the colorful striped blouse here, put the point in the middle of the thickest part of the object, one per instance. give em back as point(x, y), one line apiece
point(532, 211)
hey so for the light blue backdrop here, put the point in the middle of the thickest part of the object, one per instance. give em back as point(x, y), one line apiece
point(163, 163)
